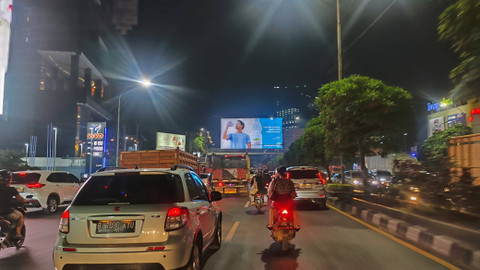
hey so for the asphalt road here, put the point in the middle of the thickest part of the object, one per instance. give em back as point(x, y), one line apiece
point(327, 240)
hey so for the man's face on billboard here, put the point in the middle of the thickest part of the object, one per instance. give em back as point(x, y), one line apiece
point(238, 126)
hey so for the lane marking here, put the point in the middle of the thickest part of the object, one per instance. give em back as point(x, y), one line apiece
point(408, 245)
point(232, 231)
point(247, 204)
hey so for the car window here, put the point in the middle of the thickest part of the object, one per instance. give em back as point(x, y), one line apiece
point(301, 174)
point(56, 178)
point(201, 187)
point(132, 189)
point(193, 190)
point(25, 178)
point(72, 178)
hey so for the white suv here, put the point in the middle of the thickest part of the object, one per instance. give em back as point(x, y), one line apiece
point(309, 184)
point(46, 189)
point(139, 219)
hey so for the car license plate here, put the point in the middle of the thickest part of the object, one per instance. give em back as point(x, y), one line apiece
point(230, 190)
point(20, 189)
point(116, 226)
point(305, 185)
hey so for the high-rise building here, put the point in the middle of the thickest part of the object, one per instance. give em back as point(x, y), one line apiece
point(57, 51)
point(290, 118)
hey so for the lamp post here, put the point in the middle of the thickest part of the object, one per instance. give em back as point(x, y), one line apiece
point(339, 42)
point(55, 130)
point(144, 83)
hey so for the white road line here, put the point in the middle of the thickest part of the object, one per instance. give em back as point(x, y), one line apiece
point(232, 231)
point(247, 204)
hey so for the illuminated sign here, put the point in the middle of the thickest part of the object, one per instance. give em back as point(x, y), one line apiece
point(5, 19)
point(170, 141)
point(455, 119)
point(435, 125)
point(254, 133)
point(435, 106)
point(97, 145)
point(472, 112)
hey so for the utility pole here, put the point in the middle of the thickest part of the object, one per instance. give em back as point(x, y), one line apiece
point(339, 42)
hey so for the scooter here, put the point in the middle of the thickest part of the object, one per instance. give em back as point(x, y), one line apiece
point(8, 230)
point(258, 201)
point(283, 230)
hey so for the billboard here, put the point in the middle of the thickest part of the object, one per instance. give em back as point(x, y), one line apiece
point(5, 19)
point(97, 145)
point(251, 133)
point(435, 125)
point(170, 141)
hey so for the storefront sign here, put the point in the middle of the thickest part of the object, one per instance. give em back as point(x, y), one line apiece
point(435, 125)
point(97, 145)
point(456, 119)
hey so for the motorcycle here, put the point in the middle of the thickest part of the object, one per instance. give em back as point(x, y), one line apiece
point(258, 201)
point(8, 229)
point(283, 230)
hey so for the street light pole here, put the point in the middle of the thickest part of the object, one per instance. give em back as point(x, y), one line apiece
point(118, 130)
point(55, 130)
point(339, 42)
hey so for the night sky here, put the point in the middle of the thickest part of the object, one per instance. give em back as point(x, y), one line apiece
point(222, 58)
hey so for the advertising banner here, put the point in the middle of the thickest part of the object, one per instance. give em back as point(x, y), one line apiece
point(167, 141)
point(455, 119)
point(5, 19)
point(251, 133)
point(435, 125)
point(97, 145)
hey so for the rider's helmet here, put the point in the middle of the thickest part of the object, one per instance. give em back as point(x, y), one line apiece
point(4, 177)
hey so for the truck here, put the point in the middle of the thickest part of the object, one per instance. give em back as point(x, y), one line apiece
point(464, 152)
point(230, 172)
point(157, 159)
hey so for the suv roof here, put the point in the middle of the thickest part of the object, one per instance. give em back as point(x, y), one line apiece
point(302, 168)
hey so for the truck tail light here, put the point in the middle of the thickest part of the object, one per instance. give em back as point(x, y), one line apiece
point(177, 217)
point(220, 184)
point(64, 226)
point(322, 180)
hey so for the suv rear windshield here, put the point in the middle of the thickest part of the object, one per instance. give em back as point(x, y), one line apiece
point(24, 178)
point(132, 189)
point(301, 174)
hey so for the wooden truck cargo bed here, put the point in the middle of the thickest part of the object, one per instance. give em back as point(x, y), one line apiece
point(157, 159)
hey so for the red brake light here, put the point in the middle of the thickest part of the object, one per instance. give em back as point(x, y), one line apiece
point(69, 249)
point(176, 218)
point(64, 226)
point(284, 212)
point(220, 184)
point(288, 176)
point(35, 185)
point(156, 248)
point(22, 174)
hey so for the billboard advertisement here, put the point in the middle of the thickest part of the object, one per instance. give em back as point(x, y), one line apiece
point(251, 133)
point(97, 145)
point(435, 125)
point(5, 19)
point(170, 141)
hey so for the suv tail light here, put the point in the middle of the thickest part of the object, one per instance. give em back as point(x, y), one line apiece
point(289, 176)
point(322, 180)
point(177, 217)
point(35, 185)
point(64, 226)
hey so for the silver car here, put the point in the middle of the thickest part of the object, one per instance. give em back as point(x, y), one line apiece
point(139, 219)
point(309, 184)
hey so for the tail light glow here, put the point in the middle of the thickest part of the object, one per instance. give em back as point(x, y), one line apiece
point(22, 174)
point(156, 248)
point(322, 180)
point(289, 176)
point(284, 212)
point(35, 185)
point(220, 184)
point(64, 226)
point(177, 217)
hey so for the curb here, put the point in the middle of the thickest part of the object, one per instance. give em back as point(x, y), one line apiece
point(441, 244)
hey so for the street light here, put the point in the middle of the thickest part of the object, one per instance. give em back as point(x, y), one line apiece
point(145, 83)
point(55, 130)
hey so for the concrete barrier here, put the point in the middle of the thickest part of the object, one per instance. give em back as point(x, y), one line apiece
point(442, 244)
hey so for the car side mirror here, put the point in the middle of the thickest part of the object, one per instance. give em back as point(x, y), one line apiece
point(215, 196)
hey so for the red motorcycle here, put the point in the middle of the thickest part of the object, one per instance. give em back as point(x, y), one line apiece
point(283, 230)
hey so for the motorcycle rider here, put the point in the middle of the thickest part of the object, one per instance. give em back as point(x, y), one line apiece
point(282, 192)
point(7, 203)
point(257, 185)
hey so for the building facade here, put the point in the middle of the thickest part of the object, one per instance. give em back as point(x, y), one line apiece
point(445, 114)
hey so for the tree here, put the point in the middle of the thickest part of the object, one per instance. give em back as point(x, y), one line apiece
point(459, 25)
point(199, 145)
point(294, 155)
point(12, 161)
point(314, 144)
point(435, 148)
point(363, 114)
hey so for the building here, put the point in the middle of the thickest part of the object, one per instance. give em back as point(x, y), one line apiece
point(290, 118)
point(445, 114)
point(54, 78)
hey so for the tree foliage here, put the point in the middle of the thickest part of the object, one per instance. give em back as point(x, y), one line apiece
point(459, 25)
point(12, 161)
point(199, 145)
point(435, 148)
point(361, 114)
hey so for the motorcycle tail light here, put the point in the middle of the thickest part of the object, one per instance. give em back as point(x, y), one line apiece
point(284, 212)
point(177, 217)
point(64, 226)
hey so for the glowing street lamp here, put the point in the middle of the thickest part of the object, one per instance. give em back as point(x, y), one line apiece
point(146, 82)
